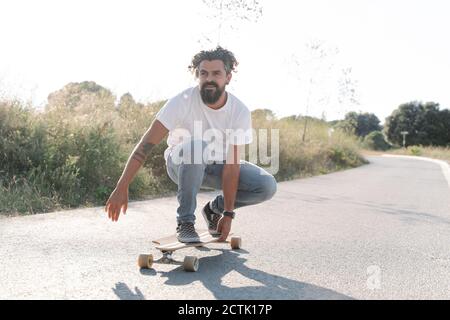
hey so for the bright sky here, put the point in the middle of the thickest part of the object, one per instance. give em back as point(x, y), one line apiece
point(398, 50)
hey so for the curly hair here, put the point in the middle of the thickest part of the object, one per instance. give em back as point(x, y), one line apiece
point(219, 53)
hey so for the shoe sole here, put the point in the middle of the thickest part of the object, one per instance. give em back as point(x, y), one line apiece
point(188, 240)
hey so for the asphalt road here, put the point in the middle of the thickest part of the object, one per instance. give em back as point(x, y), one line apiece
point(380, 231)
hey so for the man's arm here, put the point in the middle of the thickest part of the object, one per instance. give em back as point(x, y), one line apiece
point(152, 137)
point(119, 197)
point(230, 181)
point(230, 178)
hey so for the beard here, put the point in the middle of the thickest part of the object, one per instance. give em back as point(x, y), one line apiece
point(211, 96)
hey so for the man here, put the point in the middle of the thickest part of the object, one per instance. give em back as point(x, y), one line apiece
point(207, 126)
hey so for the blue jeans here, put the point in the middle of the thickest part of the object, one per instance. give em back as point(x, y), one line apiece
point(255, 184)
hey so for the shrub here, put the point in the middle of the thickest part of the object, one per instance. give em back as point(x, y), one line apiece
point(415, 151)
point(22, 139)
point(376, 141)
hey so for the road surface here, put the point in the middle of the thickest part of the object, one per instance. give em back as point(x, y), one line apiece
point(380, 231)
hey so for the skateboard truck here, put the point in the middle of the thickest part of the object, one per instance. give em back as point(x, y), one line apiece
point(167, 257)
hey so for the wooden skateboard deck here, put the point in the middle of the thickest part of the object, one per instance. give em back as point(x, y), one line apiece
point(171, 243)
point(168, 245)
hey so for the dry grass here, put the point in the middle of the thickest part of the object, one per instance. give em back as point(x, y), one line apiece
point(442, 153)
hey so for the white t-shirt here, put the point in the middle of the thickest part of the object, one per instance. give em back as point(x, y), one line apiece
point(186, 116)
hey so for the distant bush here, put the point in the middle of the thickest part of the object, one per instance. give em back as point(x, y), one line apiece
point(22, 139)
point(376, 141)
point(415, 150)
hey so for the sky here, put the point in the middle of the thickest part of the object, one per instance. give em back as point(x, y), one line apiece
point(398, 51)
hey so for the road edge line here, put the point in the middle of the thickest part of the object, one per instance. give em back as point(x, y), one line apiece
point(444, 164)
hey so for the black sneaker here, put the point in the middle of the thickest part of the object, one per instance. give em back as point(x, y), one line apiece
point(212, 219)
point(186, 233)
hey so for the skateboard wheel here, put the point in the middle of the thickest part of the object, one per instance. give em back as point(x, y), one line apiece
point(145, 261)
point(190, 263)
point(236, 243)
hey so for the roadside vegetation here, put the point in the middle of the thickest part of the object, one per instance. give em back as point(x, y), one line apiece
point(442, 153)
point(422, 127)
point(73, 153)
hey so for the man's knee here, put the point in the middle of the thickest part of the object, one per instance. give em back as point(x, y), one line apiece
point(269, 187)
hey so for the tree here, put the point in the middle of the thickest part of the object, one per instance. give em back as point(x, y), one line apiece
point(367, 122)
point(424, 122)
point(444, 126)
point(360, 124)
point(81, 98)
point(126, 101)
point(263, 114)
point(429, 123)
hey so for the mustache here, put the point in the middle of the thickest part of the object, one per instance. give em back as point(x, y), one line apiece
point(210, 84)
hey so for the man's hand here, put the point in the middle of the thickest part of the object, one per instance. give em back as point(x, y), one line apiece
point(117, 201)
point(119, 197)
point(224, 227)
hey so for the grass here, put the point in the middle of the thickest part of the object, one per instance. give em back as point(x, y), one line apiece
point(442, 153)
point(70, 157)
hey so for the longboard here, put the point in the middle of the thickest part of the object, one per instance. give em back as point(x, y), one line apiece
point(170, 244)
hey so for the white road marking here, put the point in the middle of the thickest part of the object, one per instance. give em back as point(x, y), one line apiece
point(444, 165)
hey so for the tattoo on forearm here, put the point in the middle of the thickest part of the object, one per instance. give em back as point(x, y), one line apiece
point(142, 152)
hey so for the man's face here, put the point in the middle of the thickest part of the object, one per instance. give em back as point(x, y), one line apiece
point(212, 80)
